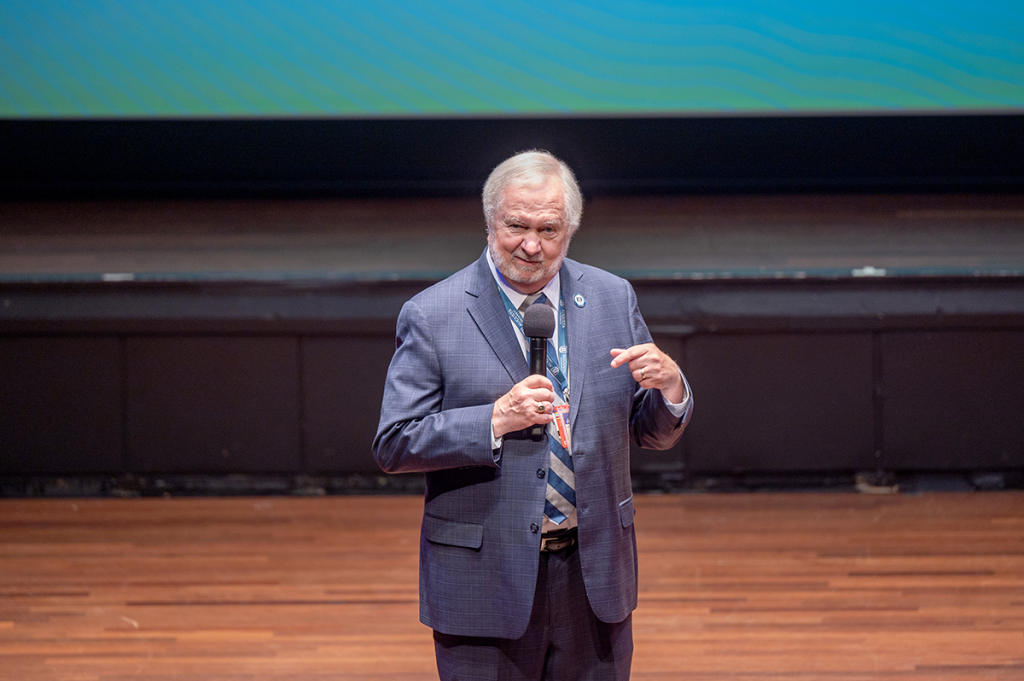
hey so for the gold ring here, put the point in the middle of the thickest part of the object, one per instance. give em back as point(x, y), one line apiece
point(540, 408)
point(643, 373)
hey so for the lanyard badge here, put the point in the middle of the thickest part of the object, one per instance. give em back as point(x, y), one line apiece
point(561, 414)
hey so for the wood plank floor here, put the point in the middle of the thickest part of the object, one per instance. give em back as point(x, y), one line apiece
point(669, 236)
point(757, 586)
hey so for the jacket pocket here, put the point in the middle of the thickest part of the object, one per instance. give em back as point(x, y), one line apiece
point(626, 511)
point(453, 532)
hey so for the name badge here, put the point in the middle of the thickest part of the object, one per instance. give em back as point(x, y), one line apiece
point(561, 414)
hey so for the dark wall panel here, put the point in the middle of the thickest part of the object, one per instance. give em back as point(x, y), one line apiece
point(343, 385)
point(781, 402)
point(824, 377)
point(61, 406)
point(213, 405)
point(954, 400)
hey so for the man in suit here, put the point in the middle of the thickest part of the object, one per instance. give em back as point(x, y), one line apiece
point(527, 550)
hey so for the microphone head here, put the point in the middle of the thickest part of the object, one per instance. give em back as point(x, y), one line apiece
point(539, 321)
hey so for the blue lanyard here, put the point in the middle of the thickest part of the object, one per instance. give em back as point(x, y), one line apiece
point(557, 366)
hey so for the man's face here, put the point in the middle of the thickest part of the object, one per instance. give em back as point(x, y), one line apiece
point(529, 237)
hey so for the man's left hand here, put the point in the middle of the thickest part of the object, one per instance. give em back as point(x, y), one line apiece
point(652, 368)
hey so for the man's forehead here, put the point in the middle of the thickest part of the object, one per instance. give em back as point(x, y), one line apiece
point(529, 184)
point(532, 197)
point(554, 215)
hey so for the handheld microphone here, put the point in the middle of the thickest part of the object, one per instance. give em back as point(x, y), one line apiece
point(538, 326)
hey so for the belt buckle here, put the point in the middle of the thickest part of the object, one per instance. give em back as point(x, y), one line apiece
point(557, 543)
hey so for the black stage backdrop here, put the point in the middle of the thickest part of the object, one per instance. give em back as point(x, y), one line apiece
point(136, 158)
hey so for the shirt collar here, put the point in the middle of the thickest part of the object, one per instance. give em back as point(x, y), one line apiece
point(552, 290)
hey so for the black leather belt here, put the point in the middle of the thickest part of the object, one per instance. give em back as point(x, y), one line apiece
point(559, 540)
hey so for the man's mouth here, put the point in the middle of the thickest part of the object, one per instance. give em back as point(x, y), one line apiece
point(527, 262)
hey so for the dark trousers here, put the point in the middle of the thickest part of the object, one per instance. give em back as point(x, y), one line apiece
point(563, 642)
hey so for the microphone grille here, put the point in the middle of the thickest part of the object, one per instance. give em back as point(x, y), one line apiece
point(539, 321)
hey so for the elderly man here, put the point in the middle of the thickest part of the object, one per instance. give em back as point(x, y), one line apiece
point(527, 551)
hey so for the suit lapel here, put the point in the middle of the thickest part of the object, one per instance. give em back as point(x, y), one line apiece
point(488, 311)
point(577, 323)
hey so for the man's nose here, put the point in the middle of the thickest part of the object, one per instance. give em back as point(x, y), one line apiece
point(531, 244)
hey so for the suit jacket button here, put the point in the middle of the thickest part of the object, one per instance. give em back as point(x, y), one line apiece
point(540, 472)
point(534, 527)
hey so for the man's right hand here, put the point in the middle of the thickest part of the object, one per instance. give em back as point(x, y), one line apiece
point(529, 402)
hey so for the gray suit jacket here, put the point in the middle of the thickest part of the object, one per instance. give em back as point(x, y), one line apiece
point(479, 547)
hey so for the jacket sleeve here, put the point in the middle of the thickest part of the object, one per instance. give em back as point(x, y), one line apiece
point(416, 432)
point(652, 425)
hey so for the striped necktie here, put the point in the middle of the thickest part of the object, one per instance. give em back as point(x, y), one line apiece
point(560, 497)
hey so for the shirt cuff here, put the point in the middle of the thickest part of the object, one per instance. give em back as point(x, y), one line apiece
point(677, 410)
point(495, 441)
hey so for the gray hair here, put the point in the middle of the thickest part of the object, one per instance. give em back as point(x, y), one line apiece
point(528, 167)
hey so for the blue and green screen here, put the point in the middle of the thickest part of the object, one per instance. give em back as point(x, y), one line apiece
point(453, 58)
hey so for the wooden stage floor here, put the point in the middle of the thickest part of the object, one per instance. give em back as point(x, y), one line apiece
point(654, 237)
point(741, 586)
